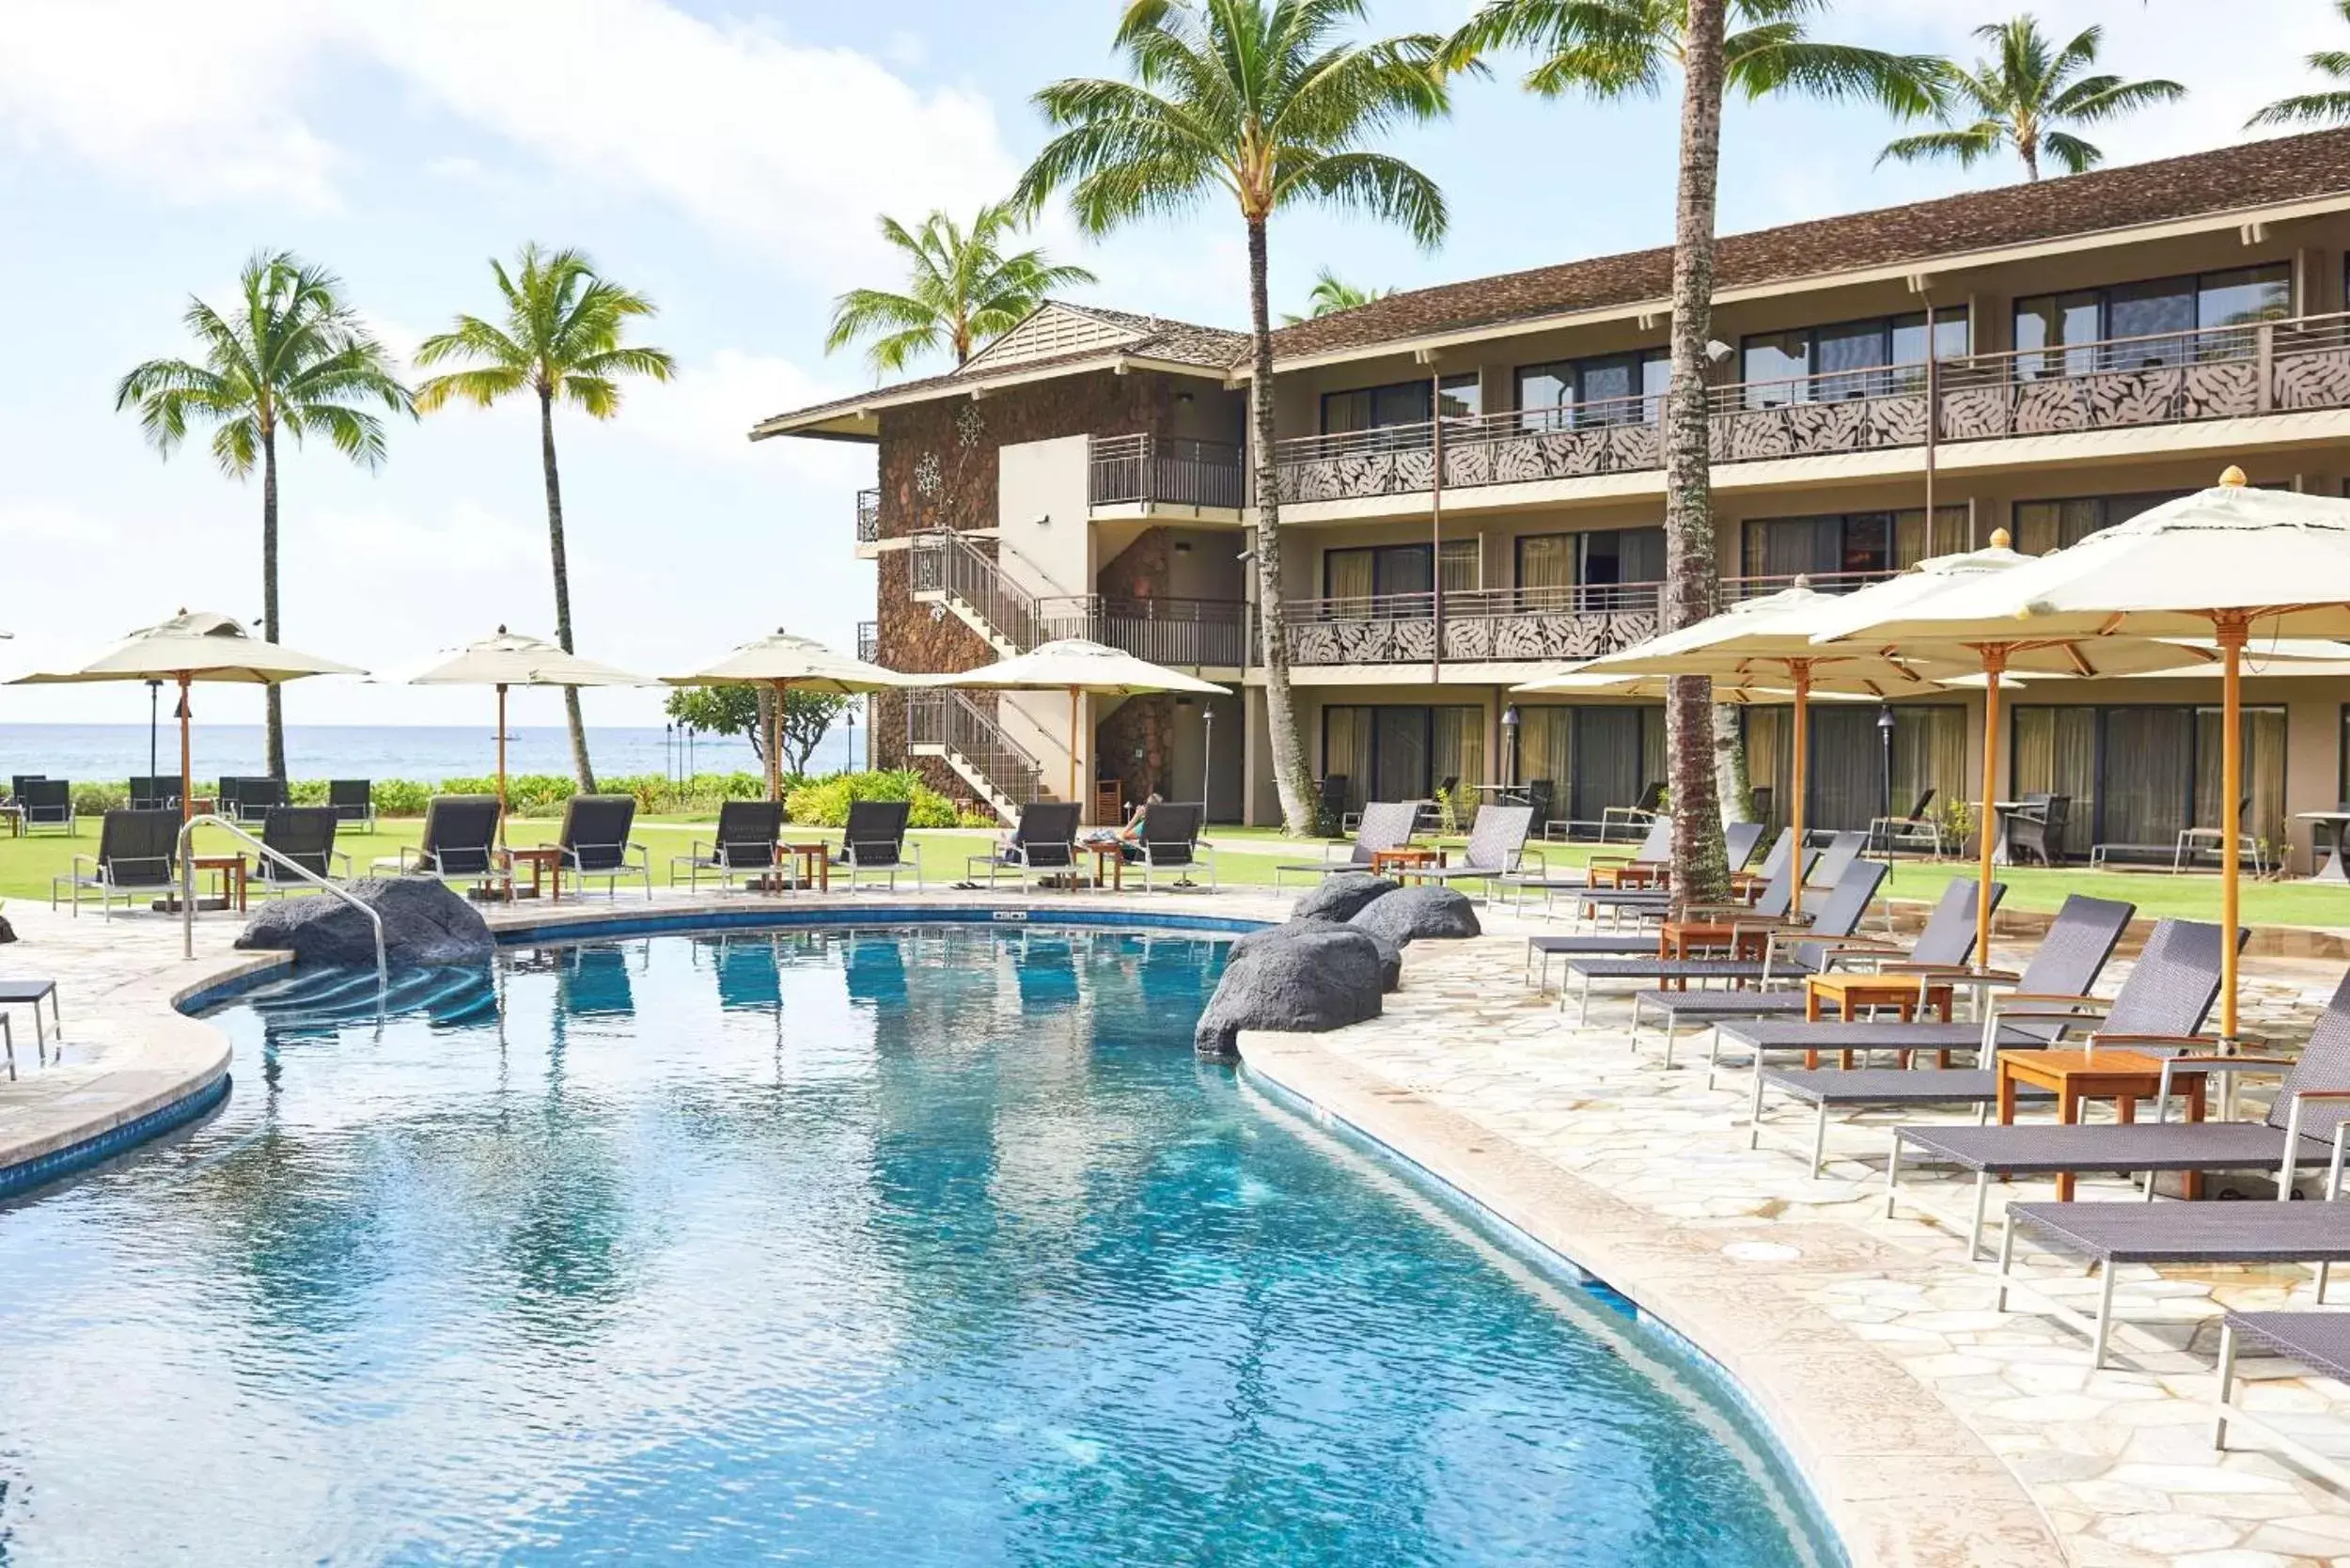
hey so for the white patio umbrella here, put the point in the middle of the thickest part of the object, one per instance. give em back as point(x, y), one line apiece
point(782, 663)
point(193, 645)
point(1076, 666)
point(1770, 639)
point(513, 659)
point(2230, 563)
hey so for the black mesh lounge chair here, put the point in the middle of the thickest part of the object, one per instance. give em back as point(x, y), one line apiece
point(306, 836)
point(1543, 796)
point(2159, 1010)
point(1943, 946)
point(2066, 965)
point(46, 803)
point(1170, 842)
point(594, 841)
point(138, 856)
point(1651, 802)
point(2318, 1340)
point(873, 844)
point(459, 843)
point(743, 846)
point(2037, 828)
point(255, 799)
point(1496, 845)
point(224, 795)
point(2186, 1235)
point(1917, 829)
point(1330, 804)
point(1652, 903)
point(1790, 952)
point(353, 800)
point(155, 793)
point(1385, 824)
point(1655, 849)
point(1044, 843)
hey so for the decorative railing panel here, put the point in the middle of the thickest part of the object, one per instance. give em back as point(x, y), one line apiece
point(2224, 372)
point(1517, 624)
point(1185, 633)
point(868, 516)
point(1153, 470)
point(869, 641)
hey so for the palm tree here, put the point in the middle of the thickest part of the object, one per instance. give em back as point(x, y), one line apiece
point(1331, 294)
point(1264, 102)
point(561, 339)
point(2020, 98)
point(2315, 108)
point(291, 359)
point(1615, 49)
point(961, 290)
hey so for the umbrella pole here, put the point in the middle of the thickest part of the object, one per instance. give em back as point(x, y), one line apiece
point(2229, 631)
point(1994, 662)
point(187, 761)
point(1072, 743)
point(1801, 670)
point(501, 761)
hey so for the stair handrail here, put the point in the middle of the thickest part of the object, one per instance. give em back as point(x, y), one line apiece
point(187, 893)
point(967, 728)
point(980, 583)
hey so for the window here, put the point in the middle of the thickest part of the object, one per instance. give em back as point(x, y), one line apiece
point(1847, 543)
point(1612, 389)
point(1595, 757)
point(1846, 782)
point(2045, 526)
point(2138, 775)
point(2148, 325)
point(1849, 359)
point(1387, 571)
point(1402, 752)
point(1594, 563)
point(1402, 402)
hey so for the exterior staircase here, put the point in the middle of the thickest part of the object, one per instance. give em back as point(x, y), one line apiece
point(947, 569)
point(950, 726)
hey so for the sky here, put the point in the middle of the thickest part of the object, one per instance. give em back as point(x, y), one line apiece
point(729, 161)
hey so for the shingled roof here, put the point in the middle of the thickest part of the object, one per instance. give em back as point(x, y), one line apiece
point(2230, 180)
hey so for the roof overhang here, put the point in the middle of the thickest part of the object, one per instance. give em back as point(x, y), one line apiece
point(860, 421)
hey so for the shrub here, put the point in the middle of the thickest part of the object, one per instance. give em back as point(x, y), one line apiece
point(978, 816)
point(700, 795)
point(90, 800)
point(824, 802)
point(400, 797)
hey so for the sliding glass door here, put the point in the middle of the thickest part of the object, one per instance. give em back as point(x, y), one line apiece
point(2142, 774)
point(1403, 751)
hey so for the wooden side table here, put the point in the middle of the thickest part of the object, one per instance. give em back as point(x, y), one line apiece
point(1849, 994)
point(232, 869)
point(545, 860)
point(1114, 856)
point(1688, 938)
point(2125, 1078)
point(812, 862)
point(1410, 857)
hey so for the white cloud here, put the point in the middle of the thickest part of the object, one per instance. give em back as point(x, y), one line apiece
point(708, 411)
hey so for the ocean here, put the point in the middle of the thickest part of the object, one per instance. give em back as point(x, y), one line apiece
point(104, 752)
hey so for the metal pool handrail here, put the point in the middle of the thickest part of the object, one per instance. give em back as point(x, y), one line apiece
point(187, 893)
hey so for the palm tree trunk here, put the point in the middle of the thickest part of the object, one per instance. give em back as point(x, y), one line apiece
point(273, 698)
point(581, 769)
point(1290, 778)
point(1693, 586)
point(1730, 783)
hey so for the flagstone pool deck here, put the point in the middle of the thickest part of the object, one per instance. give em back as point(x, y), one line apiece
point(1936, 1432)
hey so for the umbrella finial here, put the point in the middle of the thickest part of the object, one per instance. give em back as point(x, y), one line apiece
point(501, 628)
point(2002, 539)
point(1803, 581)
point(2233, 477)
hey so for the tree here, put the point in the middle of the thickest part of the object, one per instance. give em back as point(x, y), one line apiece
point(562, 338)
point(2330, 107)
point(2022, 95)
point(1615, 49)
point(1264, 102)
point(1331, 294)
point(961, 290)
point(291, 359)
point(807, 718)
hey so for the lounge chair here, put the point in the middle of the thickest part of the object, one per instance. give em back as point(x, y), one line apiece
point(1170, 842)
point(1649, 804)
point(138, 857)
point(594, 842)
point(306, 836)
point(2159, 1010)
point(459, 843)
point(1807, 946)
point(255, 799)
point(1746, 886)
point(353, 800)
point(2318, 1340)
point(1943, 946)
point(1385, 824)
point(1655, 849)
point(2036, 828)
point(1044, 843)
point(46, 803)
point(1917, 829)
point(2070, 957)
point(155, 793)
point(1496, 846)
point(1771, 902)
point(744, 845)
point(1330, 814)
point(873, 844)
point(1431, 816)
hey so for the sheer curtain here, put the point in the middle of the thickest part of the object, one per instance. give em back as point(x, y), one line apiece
point(1457, 746)
point(2147, 789)
point(2263, 731)
point(2056, 751)
point(1547, 749)
point(1400, 768)
point(1768, 731)
point(1845, 780)
point(1929, 753)
point(1346, 573)
point(1346, 749)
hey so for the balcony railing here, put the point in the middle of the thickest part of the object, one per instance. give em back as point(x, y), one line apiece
point(2170, 378)
point(869, 641)
point(1153, 470)
point(1186, 632)
point(868, 516)
point(1542, 625)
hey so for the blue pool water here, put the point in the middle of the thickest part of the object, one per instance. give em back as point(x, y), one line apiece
point(829, 1248)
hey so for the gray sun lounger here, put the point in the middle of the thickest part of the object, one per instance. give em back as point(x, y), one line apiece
point(1654, 903)
point(2318, 1340)
point(1497, 843)
point(1838, 918)
point(1942, 948)
point(2182, 1234)
point(1655, 847)
point(1385, 824)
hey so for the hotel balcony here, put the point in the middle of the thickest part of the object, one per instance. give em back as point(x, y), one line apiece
point(1149, 476)
point(2287, 368)
point(867, 523)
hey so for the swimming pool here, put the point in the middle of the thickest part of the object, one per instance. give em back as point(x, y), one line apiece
point(927, 1246)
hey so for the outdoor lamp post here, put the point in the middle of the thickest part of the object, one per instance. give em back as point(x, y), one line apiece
point(1510, 743)
point(1884, 743)
point(1207, 748)
point(848, 717)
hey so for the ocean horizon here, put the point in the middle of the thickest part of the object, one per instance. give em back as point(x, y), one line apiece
point(428, 753)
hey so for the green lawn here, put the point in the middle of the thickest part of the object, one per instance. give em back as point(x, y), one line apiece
point(1247, 856)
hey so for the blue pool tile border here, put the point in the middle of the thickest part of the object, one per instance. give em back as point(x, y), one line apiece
point(74, 1159)
point(619, 925)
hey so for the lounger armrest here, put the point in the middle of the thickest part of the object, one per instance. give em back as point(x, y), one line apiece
point(2222, 1068)
point(2106, 1037)
point(2077, 1003)
point(2042, 1014)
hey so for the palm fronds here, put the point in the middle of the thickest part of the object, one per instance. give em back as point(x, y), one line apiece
point(562, 337)
point(2328, 107)
point(2023, 95)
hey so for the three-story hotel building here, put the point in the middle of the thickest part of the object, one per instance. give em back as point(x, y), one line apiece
point(1472, 490)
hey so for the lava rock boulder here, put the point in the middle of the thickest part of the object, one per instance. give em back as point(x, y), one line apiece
point(1409, 914)
point(1341, 896)
point(1391, 956)
point(1309, 976)
point(424, 923)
